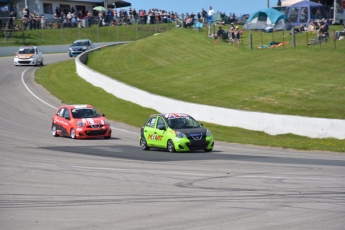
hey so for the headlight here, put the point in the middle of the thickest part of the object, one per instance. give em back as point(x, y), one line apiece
point(70, 49)
point(106, 122)
point(85, 48)
point(81, 124)
point(180, 135)
point(208, 133)
point(32, 56)
point(16, 56)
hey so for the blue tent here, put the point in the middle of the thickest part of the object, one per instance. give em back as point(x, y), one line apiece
point(267, 18)
point(305, 11)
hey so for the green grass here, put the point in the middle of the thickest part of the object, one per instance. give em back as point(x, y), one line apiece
point(61, 79)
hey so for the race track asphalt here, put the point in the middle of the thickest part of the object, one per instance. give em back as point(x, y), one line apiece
point(60, 183)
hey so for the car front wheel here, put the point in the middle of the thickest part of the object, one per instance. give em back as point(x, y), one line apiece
point(54, 132)
point(171, 147)
point(208, 150)
point(143, 144)
point(73, 135)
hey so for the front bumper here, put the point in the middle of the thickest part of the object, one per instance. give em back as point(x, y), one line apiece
point(186, 145)
point(29, 61)
point(86, 132)
point(75, 52)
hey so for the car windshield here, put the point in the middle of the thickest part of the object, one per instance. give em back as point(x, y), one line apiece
point(183, 123)
point(85, 113)
point(26, 51)
point(81, 43)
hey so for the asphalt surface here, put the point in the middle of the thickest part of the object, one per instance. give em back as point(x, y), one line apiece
point(51, 182)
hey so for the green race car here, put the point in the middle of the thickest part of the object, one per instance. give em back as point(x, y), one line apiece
point(175, 132)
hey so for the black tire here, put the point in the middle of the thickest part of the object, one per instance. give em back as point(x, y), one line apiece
point(54, 131)
point(208, 150)
point(72, 133)
point(42, 62)
point(107, 137)
point(171, 147)
point(143, 144)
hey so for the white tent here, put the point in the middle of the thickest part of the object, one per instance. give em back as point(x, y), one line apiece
point(291, 2)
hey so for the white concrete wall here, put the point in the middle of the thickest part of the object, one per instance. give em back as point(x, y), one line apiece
point(269, 123)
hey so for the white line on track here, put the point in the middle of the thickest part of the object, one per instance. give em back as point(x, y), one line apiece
point(26, 86)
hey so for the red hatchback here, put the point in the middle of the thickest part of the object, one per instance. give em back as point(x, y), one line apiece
point(80, 121)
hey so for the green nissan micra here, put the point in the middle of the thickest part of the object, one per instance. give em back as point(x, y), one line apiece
point(175, 132)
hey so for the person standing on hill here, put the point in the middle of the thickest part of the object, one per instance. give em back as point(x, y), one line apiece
point(10, 20)
point(210, 14)
point(204, 15)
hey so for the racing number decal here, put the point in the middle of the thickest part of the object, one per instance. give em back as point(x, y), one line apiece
point(155, 137)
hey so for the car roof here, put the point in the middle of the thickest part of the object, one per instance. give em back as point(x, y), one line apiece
point(78, 106)
point(171, 115)
point(82, 40)
point(27, 47)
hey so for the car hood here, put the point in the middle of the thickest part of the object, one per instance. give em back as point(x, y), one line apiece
point(193, 132)
point(92, 121)
point(25, 55)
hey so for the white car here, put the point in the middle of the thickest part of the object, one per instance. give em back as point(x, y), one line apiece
point(28, 55)
point(80, 46)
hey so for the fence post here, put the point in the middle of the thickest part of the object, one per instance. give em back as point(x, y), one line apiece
point(42, 32)
point(182, 20)
point(98, 32)
point(293, 38)
point(136, 30)
point(335, 40)
point(273, 38)
point(117, 32)
point(250, 41)
point(284, 39)
point(306, 34)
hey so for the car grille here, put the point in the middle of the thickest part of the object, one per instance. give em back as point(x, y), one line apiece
point(197, 145)
point(96, 132)
point(95, 126)
point(24, 62)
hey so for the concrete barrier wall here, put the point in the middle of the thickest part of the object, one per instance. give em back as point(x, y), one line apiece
point(269, 123)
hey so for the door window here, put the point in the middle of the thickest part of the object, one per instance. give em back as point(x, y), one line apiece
point(61, 112)
point(151, 122)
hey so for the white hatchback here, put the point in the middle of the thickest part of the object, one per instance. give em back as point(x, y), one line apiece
point(28, 55)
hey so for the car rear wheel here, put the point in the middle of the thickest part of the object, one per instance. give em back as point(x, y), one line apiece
point(171, 147)
point(107, 137)
point(208, 150)
point(143, 144)
point(42, 62)
point(54, 132)
point(73, 135)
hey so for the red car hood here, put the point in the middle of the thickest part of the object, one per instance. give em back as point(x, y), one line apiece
point(92, 121)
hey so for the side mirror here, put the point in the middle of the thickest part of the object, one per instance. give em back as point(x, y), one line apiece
point(162, 128)
point(202, 125)
point(103, 115)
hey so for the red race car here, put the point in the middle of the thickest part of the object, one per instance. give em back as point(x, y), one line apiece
point(80, 121)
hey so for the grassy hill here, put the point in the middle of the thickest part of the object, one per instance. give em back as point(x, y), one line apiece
point(186, 65)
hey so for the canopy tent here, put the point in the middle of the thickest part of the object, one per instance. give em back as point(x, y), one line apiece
point(267, 18)
point(305, 11)
point(118, 4)
point(291, 2)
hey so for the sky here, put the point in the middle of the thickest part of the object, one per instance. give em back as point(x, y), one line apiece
point(238, 7)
